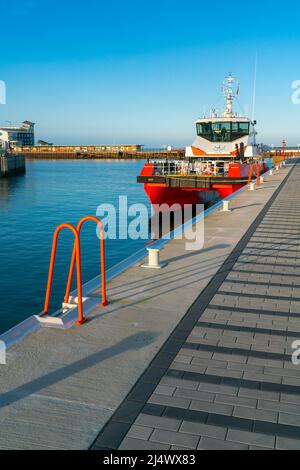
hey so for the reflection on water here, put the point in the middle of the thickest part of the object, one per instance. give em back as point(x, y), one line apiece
point(6, 187)
point(31, 206)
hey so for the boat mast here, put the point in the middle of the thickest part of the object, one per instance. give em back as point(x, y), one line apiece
point(229, 95)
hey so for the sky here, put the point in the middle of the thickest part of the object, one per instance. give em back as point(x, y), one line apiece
point(142, 72)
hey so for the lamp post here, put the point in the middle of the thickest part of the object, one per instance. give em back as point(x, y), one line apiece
point(283, 147)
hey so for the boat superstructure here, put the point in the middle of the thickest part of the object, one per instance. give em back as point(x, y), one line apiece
point(228, 135)
point(218, 162)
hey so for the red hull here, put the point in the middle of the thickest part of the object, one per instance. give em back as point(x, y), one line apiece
point(159, 195)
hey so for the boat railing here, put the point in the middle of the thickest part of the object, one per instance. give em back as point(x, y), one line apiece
point(182, 168)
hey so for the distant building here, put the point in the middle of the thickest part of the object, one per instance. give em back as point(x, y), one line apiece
point(14, 136)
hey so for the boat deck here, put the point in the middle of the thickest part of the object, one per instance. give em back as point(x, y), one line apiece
point(196, 355)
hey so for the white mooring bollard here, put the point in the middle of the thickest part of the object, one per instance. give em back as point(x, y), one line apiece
point(252, 186)
point(262, 180)
point(277, 167)
point(283, 163)
point(153, 259)
point(271, 172)
point(225, 207)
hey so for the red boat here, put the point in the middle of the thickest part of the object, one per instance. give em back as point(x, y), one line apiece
point(222, 159)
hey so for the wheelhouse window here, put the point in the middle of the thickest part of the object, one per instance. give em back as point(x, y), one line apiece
point(239, 129)
point(222, 131)
point(204, 130)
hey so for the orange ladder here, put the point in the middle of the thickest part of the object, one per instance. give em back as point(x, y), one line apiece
point(76, 257)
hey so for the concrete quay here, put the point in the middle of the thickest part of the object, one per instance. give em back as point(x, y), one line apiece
point(12, 165)
point(196, 355)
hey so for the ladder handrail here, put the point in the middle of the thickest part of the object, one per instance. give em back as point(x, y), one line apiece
point(102, 261)
point(77, 256)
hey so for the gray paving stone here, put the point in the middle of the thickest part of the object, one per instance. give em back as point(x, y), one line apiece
point(176, 382)
point(178, 402)
point(230, 357)
point(245, 367)
point(178, 448)
point(183, 359)
point(224, 372)
point(291, 381)
point(217, 388)
point(161, 422)
point(257, 447)
point(204, 341)
point(207, 443)
point(112, 436)
point(236, 400)
point(209, 362)
point(264, 362)
point(250, 438)
point(290, 366)
point(221, 409)
point(175, 438)
point(290, 419)
point(234, 344)
point(138, 444)
point(194, 394)
point(284, 443)
point(258, 415)
point(200, 429)
point(289, 408)
point(139, 432)
point(198, 368)
point(282, 372)
point(196, 353)
point(165, 390)
point(262, 377)
point(290, 398)
point(127, 412)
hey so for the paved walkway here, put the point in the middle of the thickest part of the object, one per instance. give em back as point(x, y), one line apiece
point(60, 387)
point(224, 379)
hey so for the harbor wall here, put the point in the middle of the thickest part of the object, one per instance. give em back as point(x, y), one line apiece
point(12, 165)
point(143, 155)
point(175, 154)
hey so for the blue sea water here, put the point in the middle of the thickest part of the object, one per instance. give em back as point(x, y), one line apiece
point(31, 207)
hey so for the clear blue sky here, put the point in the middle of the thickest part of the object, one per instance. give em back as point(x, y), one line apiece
point(142, 72)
